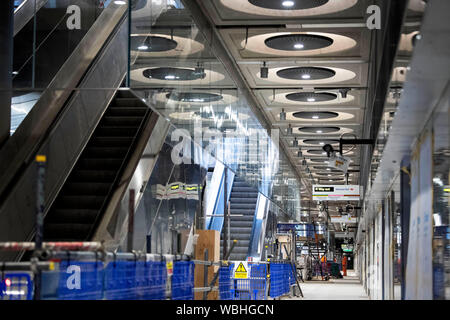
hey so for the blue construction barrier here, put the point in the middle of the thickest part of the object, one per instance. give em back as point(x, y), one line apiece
point(252, 288)
point(226, 282)
point(16, 286)
point(118, 280)
point(183, 280)
point(280, 274)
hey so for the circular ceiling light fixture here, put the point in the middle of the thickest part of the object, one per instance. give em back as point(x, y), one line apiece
point(320, 141)
point(169, 73)
point(311, 96)
point(288, 4)
point(318, 115)
point(306, 73)
point(194, 97)
point(317, 152)
point(319, 129)
point(296, 42)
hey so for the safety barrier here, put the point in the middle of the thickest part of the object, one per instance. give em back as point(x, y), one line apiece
point(280, 275)
point(254, 287)
point(183, 281)
point(16, 286)
point(94, 280)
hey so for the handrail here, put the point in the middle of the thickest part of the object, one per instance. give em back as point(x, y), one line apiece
point(25, 12)
point(18, 151)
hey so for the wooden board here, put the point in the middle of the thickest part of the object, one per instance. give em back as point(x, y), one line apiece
point(207, 239)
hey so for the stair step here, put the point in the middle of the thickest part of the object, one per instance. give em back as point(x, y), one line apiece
point(241, 243)
point(82, 188)
point(247, 217)
point(79, 202)
point(71, 216)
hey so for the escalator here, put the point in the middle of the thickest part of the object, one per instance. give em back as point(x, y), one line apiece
point(243, 201)
point(93, 139)
point(80, 203)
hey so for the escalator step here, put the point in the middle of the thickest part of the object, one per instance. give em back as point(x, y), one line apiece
point(244, 194)
point(84, 176)
point(63, 231)
point(80, 188)
point(79, 202)
point(241, 230)
point(235, 206)
point(127, 103)
point(110, 142)
point(71, 216)
point(125, 121)
point(243, 200)
point(245, 212)
point(100, 164)
point(116, 131)
point(126, 111)
point(241, 224)
point(238, 236)
point(249, 218)
point(105, 152)
point(242, 189)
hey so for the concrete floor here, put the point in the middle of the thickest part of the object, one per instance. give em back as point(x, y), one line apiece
point(348, 288)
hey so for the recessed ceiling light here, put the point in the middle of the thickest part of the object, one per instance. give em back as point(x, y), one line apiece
point(287, 3)
point(315, 117)
point(311, 99)
point(143, 47)
point(306, 76)
point(319, 131)
point(324, 153)
point(120, 2)
point(299, 46)
point(328, 169)
point(169, 77)
point(321, 143)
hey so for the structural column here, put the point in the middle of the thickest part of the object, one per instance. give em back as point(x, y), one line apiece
point(6, 58)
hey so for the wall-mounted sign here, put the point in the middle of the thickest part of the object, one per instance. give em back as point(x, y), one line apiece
point(343, 219)
point(336, 192)
point(339, 162)
point(241, 270)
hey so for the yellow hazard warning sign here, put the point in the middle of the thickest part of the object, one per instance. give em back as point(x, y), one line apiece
point(241, 271)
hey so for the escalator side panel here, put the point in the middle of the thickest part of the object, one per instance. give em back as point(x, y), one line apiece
point(64, 141)
point(25, 13)
point(21, 146)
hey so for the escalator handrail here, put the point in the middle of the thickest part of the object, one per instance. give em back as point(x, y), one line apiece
point(25, 12)
point(20, 149)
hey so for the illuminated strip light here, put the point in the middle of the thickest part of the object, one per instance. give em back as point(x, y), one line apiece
point(336, 195)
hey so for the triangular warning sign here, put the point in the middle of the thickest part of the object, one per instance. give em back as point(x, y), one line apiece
point(241, 268)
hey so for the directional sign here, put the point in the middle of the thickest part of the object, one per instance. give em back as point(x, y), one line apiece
point(339, 162)
point(336, 192)
point(343, 219)
point(241, 271)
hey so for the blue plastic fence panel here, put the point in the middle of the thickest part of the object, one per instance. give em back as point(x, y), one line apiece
point(258, 280)
point(16, 286)
point(279, 279)
point(129, 280)
point(79, 280)
point(226, 282)
point(183, 280)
